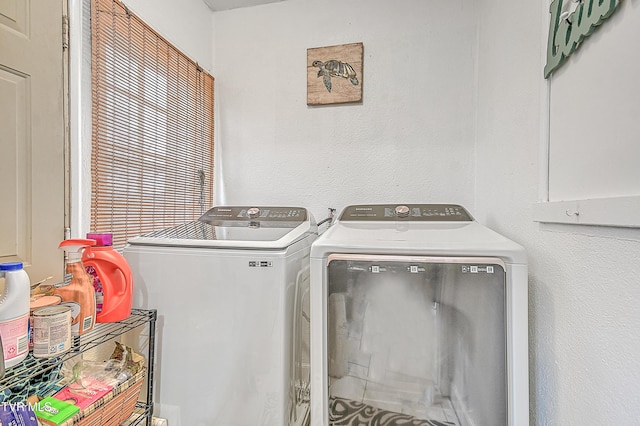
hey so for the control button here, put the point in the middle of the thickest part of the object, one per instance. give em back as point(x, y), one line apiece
point(402, 211)
point(253, 212)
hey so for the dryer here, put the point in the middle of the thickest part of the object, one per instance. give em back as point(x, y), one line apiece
point(418, 316)
point(231, 291)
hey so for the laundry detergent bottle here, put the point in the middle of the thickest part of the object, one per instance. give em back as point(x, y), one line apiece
point(14, 313)
point(79, 294)
point(112, 279)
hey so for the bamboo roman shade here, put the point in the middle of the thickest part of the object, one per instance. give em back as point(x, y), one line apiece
point(152, 143)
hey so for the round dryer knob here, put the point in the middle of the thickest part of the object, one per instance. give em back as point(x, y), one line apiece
point(253, 212)
point(402, 211)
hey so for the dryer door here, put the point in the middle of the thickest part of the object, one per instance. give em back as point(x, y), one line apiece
point(416, 338)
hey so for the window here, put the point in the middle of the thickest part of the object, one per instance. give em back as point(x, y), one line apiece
point(152, 129)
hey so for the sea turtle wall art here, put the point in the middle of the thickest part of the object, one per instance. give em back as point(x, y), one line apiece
point(334, 74)
point(335, 68)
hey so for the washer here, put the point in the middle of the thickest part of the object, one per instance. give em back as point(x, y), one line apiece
point(418, 316)
point(231, 290)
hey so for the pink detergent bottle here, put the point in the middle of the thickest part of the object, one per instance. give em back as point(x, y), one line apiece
point(112, 279)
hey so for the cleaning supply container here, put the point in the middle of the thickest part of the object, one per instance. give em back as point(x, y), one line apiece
point(79, 294)
point(51, 331)
point(36, 302)
point(112, 279)
point(14, 313)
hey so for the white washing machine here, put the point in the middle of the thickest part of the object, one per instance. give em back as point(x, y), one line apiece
point(418, 316)
point(231, 290)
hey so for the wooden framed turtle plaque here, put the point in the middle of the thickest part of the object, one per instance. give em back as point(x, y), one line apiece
point(334, 74)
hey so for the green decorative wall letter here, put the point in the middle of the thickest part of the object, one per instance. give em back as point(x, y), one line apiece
point(567, 29)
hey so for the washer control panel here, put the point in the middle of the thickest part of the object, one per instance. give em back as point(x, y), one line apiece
point(254, 214)
point(407, 212)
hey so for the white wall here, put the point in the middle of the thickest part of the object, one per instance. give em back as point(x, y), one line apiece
point(410, 140)
point(186, 24)
point(584, 291)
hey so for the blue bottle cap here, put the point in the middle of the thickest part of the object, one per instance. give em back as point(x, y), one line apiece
point(11, 266)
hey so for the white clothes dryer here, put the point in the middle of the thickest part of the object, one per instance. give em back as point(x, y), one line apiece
point(231, 291)
point(418, 316)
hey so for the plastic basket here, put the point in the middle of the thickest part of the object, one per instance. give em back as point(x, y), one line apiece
point(114, 408)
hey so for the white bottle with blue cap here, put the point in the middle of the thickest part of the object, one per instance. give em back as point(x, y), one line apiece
point(14, 313)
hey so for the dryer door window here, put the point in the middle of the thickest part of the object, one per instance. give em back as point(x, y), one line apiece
point(416, 338)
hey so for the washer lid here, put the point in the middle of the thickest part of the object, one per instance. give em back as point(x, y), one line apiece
point(237, 227)
point(414, 229)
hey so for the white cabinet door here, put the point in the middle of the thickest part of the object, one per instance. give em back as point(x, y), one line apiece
point(32, 135)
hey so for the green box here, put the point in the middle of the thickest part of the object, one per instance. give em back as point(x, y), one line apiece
point(53, 411)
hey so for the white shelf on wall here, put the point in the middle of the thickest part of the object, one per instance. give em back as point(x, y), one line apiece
point(612, 211)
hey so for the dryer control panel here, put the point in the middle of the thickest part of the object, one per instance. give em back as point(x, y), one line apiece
point(407, 212)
